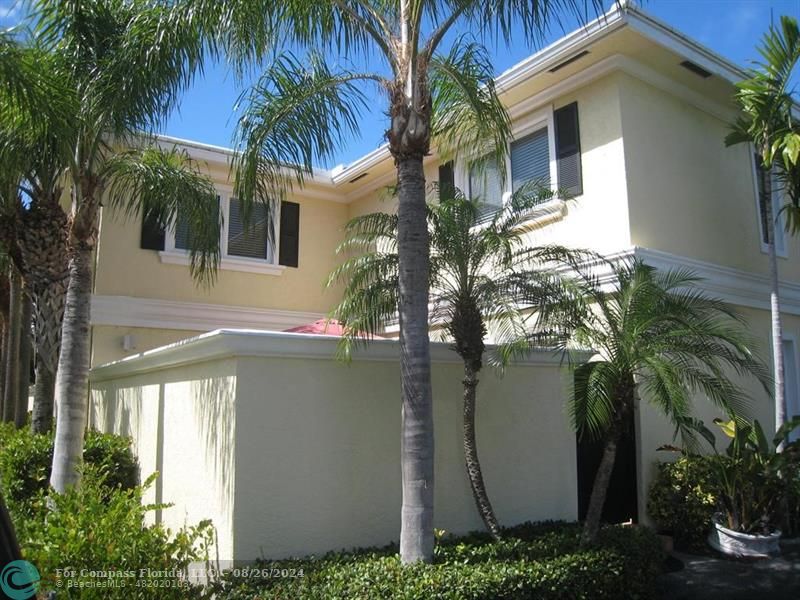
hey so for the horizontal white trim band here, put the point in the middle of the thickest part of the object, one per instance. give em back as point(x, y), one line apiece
point(222, 344)
point(128, 311)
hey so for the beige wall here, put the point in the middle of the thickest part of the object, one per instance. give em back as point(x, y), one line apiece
point(123, 269)
point(689, 194)
point(291, 452)
point(107, 341)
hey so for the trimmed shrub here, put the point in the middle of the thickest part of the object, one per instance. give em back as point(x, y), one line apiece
point(26, 460)
point(92, 542)
point(540, 561)
point(682, 500)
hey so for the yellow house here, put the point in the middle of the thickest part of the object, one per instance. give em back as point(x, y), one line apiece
point(627, 113)
point(642, 111)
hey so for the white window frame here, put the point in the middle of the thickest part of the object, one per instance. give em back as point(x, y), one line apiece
point(792, 410)
point(529, 124)
point(777, 203)
point(268, 266)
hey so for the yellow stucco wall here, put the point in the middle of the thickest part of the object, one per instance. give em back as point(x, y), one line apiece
point(689, 194)
point(123, 269)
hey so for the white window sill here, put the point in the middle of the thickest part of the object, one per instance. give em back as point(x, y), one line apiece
point(228, 263)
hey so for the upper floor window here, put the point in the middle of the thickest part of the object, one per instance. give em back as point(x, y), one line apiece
point(251, 241)
point(545, 150)
point(243, 248)
point(769, 193)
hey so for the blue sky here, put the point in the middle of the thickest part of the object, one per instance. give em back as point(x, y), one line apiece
point(731, 28)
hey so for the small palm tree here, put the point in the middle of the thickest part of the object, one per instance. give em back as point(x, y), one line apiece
point(477, 283)
point(116, 71)
point(658, 337)
point(767, 100)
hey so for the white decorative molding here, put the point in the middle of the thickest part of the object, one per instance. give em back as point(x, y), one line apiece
point(128, 311)
point(734, 286)
point(227, 263)
point(223, 343)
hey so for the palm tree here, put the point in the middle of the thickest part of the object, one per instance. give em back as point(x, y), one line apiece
point(439, 89)
point(118, 70)
point(477, 282)
point(767, 102)
point(657, 337)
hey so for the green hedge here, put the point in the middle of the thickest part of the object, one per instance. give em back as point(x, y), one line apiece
point(682, 500)
point(539, 561)
point(26, 460)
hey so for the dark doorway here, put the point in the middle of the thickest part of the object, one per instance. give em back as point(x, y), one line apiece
point(621, 501)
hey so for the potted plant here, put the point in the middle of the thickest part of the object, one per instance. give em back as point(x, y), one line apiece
point(750, 479)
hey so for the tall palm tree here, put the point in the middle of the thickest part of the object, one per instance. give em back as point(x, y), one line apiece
point(35, 166)
point(658, 337)
point(477, 283)
point(767, 101)
point(438, 88)
point(118, 71)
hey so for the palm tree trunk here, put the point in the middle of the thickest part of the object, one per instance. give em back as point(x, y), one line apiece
point(600, 488)
point(416, 532)
point(73, 372)
point(776, 325)
point(25, 352)
point(3, 340)
point(11, 390)
point(471, 454)
point(49, 314)
point(43, 391)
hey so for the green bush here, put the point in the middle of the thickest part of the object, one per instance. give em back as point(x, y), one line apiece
point(96, 535)
point(26, 460)
point(539, 561)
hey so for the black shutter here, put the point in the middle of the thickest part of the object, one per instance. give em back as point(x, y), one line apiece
point(447, 180)
point(568, 149)
point(152, 233)
point(289, 243)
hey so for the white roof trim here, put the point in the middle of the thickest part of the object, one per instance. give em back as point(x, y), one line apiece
point(234, 343)
point(626, 14)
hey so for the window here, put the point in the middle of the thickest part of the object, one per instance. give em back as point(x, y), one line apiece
point(485, 185)
point(546, 150)
point(243, 249)
point(768, 191)
point(250, 242)
point(791, 383)
point(530, 160)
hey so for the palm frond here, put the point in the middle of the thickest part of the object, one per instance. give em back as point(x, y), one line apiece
point(167, 185)
point(297, 114)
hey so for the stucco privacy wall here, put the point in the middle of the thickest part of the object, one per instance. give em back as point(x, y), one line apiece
point(292, 452)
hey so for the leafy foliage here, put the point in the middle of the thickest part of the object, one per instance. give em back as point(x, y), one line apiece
point(483, 272)
point(532, 561)
point(682, 499)
point(94, 536)
point(751, 476)
point(769, 120)
point(26, 459)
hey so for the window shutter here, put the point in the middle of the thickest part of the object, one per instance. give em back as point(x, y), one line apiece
point(530, 160)
point(289, 248)
point(447, 180)
point(568, 149)
point(152, 233)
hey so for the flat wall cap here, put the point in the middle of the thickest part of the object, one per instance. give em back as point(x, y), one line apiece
point(229, 343)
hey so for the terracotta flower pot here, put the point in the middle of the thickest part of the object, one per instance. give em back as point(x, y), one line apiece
point(736, 543)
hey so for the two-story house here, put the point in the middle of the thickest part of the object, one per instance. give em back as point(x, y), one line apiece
point(627, 113)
